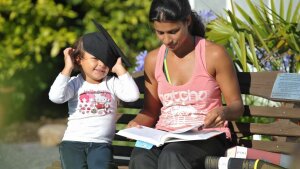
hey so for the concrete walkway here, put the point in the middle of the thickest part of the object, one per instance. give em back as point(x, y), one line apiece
point(27, 156)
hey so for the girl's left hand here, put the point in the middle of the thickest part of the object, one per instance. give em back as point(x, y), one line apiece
point(119, 68)
point(215, 118)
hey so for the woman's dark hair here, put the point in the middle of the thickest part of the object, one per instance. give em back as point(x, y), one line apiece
point(176, 10)
point(78, 52)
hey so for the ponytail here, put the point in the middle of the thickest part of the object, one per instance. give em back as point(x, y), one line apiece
point(197, 27)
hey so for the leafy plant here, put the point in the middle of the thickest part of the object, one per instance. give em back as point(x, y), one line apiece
point(33, 35)
point(269, 40)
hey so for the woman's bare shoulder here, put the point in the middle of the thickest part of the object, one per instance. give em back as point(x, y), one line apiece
point(150, 63)
point(151, 57)
point(216, 57)
point(215, 51)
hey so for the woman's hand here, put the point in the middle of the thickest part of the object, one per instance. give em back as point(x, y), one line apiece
point(215, 118)
point(132, 123)
point(119, 68)
point(69, 62)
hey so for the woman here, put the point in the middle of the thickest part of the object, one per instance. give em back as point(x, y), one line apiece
point(184, 79)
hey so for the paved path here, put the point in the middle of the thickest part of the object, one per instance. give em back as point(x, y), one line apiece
point(27, 156)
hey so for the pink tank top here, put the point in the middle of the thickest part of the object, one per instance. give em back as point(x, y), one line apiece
point(187, 105)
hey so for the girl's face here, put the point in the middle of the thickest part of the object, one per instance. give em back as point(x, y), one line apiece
point(172, 34)
point(94, 70)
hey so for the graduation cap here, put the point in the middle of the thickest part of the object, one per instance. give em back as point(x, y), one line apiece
point(102, 46)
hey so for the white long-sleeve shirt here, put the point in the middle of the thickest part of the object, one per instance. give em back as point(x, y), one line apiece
point(92, 107)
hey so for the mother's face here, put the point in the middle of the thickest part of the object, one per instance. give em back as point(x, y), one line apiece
point(172, 34)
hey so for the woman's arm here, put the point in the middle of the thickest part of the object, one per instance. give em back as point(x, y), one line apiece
point(220, 65)
point(149, 115)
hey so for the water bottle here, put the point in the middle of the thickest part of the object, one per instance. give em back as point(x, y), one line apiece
point(212, 162)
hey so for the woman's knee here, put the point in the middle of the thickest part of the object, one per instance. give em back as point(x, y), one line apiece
point(139, 153)
point(142, 158)
point(173, 159)
point(171, 152)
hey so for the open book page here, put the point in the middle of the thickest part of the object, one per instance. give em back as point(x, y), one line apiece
point(159, 137)
point(189, 128)
point(190, 135)
point(144, 133)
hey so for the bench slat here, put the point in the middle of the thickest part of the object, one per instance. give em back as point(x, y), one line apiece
point(125, 118)
point(120, 138)
point(122, 150)
point(278, 128)
point(257, 83)
point(276, 112)
point(272, 146)
point(122, 162)
point(135, 105)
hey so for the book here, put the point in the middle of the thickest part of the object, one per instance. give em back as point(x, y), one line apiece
point(159, 137)
point(282, 160)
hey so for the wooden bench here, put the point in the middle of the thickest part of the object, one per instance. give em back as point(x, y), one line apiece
point(281, 132)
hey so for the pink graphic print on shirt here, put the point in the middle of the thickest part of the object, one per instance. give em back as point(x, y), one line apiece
point(96, 102)
point(182, 109)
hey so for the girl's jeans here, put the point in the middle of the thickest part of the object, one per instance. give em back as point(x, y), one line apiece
point(84, 155)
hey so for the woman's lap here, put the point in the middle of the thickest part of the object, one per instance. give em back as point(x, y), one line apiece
point(177, 155)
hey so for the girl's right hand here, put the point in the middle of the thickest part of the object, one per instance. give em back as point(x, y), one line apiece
point(69, 61)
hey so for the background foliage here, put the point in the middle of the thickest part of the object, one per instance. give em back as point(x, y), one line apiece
point(33, 34)
point(267, 38)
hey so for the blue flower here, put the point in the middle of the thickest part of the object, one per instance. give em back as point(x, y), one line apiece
point(259, 54)
point(207, 16)
point(140, 61)
point(286, 61)
point(267, 65)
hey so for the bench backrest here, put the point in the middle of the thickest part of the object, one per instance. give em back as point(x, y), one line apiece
point(282, 128)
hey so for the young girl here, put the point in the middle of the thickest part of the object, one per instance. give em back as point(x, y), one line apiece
point(92, 101)
point(186, 76)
